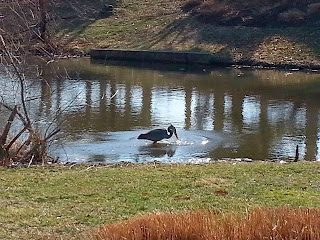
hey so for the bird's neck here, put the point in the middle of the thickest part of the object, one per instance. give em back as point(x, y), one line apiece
point(170, 134)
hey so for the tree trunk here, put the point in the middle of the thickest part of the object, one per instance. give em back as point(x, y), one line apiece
point(43, 9)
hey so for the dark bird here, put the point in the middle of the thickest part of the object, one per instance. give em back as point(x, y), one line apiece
point(159, 134)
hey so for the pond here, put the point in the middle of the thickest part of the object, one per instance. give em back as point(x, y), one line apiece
point(219, 113)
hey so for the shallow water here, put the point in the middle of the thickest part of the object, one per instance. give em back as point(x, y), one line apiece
point(218, 112)
point(192, 146)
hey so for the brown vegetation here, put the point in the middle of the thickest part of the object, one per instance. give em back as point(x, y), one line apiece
point(30, 149)
point(260, 223)
point(255, 13)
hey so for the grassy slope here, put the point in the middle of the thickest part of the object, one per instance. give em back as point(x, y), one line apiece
point(63, 202)
point(161, 24)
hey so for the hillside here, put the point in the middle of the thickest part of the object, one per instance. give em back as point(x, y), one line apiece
point(268, 13)
point(166, 25)
point(275, 32)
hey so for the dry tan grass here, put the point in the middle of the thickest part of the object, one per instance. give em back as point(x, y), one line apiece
point(260, 223)
point(254, 12)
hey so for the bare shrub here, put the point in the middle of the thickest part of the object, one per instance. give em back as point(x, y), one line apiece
point(292, 16)
point(215, 12)
point(258, 224)
point(26, 23)
point(313, 9)
point(191, 4)
point(23, 26)
point(255, 12)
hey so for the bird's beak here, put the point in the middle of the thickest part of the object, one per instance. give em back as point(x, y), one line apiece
point(176, 135)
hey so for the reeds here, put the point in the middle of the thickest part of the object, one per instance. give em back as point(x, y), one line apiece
point(259, 223)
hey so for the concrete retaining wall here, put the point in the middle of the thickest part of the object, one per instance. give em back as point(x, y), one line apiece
point(220, 58)
point(153, 56)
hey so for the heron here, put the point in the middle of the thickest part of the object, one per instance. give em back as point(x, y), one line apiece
point(159, 134)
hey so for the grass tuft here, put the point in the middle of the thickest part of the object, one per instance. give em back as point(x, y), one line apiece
point(260, 223)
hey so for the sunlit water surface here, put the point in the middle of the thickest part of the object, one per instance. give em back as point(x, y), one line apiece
point(219, 113)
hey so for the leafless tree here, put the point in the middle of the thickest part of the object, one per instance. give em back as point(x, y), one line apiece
point(23, 24)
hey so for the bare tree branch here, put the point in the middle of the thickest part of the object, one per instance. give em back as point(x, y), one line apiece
point(52, 134)
point(20, 77)
point(5, 133)
point(22, 118)
point(15, 138)
point(27, 22)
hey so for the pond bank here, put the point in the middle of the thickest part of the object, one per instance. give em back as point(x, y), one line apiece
point(165, 26)
point(190, 58)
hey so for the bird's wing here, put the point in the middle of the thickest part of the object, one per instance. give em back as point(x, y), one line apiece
point(156, 134)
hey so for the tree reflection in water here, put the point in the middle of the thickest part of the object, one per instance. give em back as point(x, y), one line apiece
point(269, 112)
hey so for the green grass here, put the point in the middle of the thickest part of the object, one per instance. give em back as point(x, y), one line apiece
point(62, 201)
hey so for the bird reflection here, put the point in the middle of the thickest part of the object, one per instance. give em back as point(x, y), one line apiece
point(97, 159)
point(158, 150)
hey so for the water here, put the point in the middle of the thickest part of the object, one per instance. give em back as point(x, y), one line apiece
point(219, 113)
point(192, 146)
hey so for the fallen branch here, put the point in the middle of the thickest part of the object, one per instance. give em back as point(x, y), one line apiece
point(6, 130)
point(15, 138)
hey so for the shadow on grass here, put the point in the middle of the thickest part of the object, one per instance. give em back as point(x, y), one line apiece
point(242, 40)
point(75, 16)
